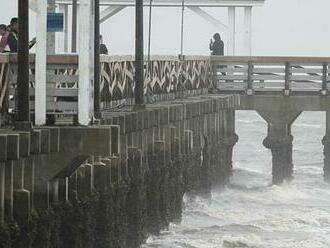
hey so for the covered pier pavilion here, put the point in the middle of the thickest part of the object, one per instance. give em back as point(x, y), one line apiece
point(82, 15)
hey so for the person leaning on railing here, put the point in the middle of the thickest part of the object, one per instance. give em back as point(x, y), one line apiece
point(13, 36)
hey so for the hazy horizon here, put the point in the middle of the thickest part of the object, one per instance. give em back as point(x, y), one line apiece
point(281, 27)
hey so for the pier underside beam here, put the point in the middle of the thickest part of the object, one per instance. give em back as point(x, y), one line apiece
point(279, 141)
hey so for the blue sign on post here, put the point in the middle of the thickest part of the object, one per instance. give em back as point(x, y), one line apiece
point(55, 22)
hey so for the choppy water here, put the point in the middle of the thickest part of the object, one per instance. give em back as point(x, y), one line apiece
point(250, 212)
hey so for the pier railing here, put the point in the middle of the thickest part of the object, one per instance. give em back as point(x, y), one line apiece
point(271, 75)
point(62, 83)
point(4, 80)
point(169, 77)
point(166, 77)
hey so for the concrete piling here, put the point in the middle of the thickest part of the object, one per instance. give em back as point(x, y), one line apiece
point(21, 206)
point(101, 174)
point(73, 187)
point(9, 190)
point(134, 207)
point(152, 182)
point(279, 141)
point(29, 177)
point(326, 149)
point(2, 192)
point(114, 184)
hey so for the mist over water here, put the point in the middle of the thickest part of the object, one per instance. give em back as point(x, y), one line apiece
point(252, 213)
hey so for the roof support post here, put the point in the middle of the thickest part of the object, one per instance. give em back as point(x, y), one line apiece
point(139, 63)
point(97, 72)
point(23, 101)
point(74, 26)
point(62, 38)
point(51, 35)
point(85, 92)
point(41, 64)
point(33, 5)
point(232, 31)
point(66, 28)
point(248, 31)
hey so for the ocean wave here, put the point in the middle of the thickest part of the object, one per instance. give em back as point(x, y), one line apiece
point(239, 170)
point(250, 212)
point(249, 241)
point(247, 188)
point(251, 121)
point(299, 125)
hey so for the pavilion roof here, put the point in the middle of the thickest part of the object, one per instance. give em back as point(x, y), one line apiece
point(178, 3)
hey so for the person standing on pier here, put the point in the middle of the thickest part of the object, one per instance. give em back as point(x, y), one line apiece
point(13, 36)
point(217, 46)
point(4, 33)
point(103, 47)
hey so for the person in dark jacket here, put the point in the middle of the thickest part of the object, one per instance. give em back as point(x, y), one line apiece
point(13, 36)
point(103, 47)
point(217, 46)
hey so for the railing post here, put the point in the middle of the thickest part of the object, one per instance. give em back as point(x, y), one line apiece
point(287, 79)
point(23, 104)
point(249, 90)
point(324, 90)
point(51, 42)
point(214, 74)
point(139, 63)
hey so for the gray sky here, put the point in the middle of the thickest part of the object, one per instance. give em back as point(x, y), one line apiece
point(281, 27)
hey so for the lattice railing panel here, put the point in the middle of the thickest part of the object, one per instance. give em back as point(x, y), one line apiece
point(163, 75)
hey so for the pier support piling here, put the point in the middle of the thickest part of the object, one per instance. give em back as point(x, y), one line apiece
point(279, 141)
point(326, 150)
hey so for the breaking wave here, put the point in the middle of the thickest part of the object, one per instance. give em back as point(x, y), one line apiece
point(250, 212)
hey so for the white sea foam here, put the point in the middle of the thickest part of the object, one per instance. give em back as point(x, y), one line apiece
point(251, 213)
point(249, 241)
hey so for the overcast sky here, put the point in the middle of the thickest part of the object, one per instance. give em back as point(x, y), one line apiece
point(281, 27)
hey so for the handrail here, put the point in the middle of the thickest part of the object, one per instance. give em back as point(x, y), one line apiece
point(265, 75)
point(269, 59)
point(51, 59)
point(73, 58)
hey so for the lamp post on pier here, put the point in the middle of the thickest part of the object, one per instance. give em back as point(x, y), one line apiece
point(139, 63)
